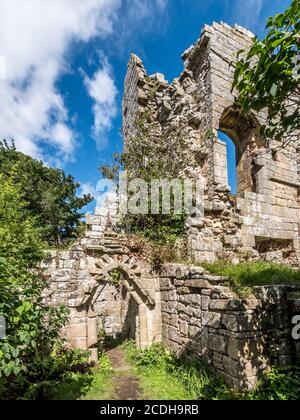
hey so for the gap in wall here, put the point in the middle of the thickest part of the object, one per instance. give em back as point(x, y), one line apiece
point(231, 161)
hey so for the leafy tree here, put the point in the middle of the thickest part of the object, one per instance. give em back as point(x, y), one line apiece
point(50, 195)
point(267, 77)
point(32, 355)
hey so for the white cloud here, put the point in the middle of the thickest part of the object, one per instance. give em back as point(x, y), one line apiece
point(103, 91)
point(103, 191)
point(161, 4)
point(247, 13)
point(35, 41)
point(144, 12)
point(35, 37)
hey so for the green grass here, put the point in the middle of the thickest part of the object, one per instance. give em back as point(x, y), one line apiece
point(250, 274)
point(157, 384)
point(156, 381)
point(94, 385)
point(164, 377)
point(101, 387)
point(74, 387)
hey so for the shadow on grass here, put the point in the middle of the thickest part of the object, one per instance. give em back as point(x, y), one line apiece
point(73, 388)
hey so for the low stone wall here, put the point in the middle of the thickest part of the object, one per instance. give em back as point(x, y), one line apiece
point(239, 338)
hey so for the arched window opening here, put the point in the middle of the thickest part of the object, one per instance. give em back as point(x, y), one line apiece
point(240, 133)
point(231, 161)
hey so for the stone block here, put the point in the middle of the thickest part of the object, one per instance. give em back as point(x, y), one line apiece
point(198, 284)
point(241, 322)
point(205, 303)
point(245, 349)
point(217, 343)
point(184, 328)
point(226, 305)
point(210, 319)
point(174, 335)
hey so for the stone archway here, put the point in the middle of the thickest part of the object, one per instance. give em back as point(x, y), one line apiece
point(243, 131)
point(86, 290)
point(130, 308)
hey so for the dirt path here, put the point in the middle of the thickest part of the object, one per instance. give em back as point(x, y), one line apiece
point(126, 385)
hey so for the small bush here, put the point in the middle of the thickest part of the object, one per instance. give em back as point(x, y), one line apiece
point(250, 274)
point(280, 384)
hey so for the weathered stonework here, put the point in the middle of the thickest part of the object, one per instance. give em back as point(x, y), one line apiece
point(240, 339)
point(81, 279)
point(263, 221)
point(192, 312)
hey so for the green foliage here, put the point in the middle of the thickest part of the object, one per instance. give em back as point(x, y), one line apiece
point(32, 354)
point(50, 195)
point(157, 382)
point(68, 369)
point(267, 78)
point(151, 158)
point(101, 386)
point(191, 378)
point(115, 277)
point(83, 383)
point(280, 384)
point(257, 273)
point(200, 383)
point(20, 240)
point(160, 229)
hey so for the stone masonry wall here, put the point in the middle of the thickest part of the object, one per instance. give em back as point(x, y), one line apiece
point(263, 220)
point(240, 339)
point(82, 280)
point(194, 313)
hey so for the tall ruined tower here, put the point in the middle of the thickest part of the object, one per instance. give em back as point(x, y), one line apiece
point(263, 220)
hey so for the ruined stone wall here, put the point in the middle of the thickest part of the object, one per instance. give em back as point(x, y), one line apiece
point(264, 219)
point(239, 338)
point(81, 279)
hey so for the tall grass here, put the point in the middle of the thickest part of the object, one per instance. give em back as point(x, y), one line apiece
point(257, 273)
point(201, 384)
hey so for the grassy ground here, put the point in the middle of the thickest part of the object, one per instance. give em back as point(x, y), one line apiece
point(154, 382)
point(165, 378)
point(257, 273)
point(128, 373)
point(95, 385)
point(101, 387)
point(157, 383)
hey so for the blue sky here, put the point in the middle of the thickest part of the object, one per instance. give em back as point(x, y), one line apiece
point(66, 61)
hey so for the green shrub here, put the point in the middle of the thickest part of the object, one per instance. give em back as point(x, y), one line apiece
point(256, 273)
point(51, 196)
point(32, 355)
point(200, 382)
point(280, 384)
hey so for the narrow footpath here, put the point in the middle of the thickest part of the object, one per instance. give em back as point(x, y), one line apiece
point(126, 385)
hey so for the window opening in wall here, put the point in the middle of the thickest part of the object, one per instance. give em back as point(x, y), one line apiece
point(231, 161)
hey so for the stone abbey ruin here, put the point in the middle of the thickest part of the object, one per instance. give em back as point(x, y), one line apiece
point(107, 288)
